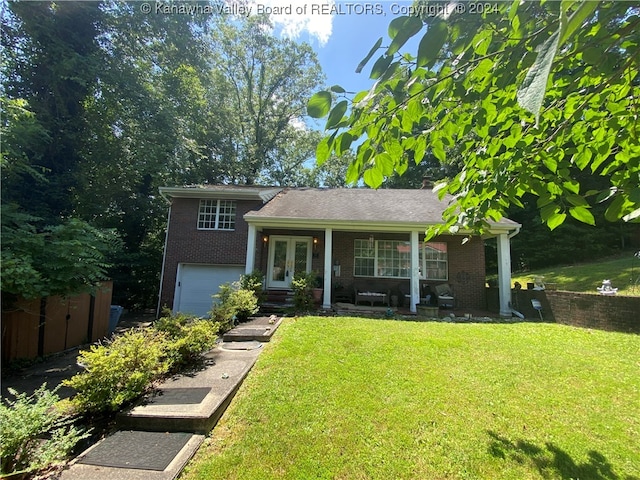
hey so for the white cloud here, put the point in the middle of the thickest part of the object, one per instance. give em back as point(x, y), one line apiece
point(292, 18)
point(298, 124)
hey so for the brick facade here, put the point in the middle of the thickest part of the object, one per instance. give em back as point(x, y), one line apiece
point(466, 262)
point(187, 244)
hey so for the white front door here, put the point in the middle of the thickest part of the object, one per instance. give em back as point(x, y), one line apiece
point(287, 255)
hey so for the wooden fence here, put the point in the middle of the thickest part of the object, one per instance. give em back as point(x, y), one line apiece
point(38, 327)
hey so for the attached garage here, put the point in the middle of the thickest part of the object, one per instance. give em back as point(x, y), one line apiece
point(196, 283)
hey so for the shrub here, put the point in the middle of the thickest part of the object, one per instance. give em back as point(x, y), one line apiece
point(185, 339)
point(34, 433)
point(118, 371)
point(253, 281)
point(302, 285)
point(233, 303)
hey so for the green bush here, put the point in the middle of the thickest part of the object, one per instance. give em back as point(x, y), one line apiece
point(302, 284)
point(185, 339)
point(232, 302)
point(34, 434)
point(118, 371)
point(253, 281)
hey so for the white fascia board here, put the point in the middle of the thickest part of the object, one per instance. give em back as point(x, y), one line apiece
point(360, 226)
point(336, 225)
point(264, 194)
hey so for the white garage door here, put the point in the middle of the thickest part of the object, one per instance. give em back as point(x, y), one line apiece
point(195, 284)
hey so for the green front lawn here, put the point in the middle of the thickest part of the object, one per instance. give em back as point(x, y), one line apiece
point(352, 398)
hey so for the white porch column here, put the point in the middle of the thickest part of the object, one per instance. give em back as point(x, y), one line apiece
point(251, 250)
point(415, 272)
point(328, 267)
point(504, 274)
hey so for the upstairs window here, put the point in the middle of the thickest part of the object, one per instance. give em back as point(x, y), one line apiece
point(217, 215)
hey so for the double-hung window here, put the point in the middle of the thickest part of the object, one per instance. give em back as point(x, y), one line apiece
point(217, 215)
point(392, 259)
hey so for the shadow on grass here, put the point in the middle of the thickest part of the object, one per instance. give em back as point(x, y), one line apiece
point(553, 462)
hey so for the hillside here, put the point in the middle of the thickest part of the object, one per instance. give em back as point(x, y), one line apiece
point(622, 270)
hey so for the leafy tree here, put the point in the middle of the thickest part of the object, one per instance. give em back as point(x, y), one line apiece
point(261, 83)
point(52, 62)
point(533, 94)
point(63, 259)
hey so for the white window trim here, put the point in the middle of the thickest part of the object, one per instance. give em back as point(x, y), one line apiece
point(217, 215)
point(422, 261)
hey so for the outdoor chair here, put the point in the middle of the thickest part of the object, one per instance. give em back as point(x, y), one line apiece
point(445, 295)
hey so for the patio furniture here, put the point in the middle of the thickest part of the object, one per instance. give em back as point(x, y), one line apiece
point(535, 303)
point(445, 295)
point(372, 293)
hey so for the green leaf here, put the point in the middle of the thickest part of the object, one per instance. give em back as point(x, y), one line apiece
point(337, 89)
point(373, 177)
point(572, 185)
point(323, 150)
point(439, 153)
point(577, 19)
point(583, 215)
point(353, 173)
point(431, 43)
point(420, 149)
point(531, 93)
point(403, 29)
point(380, 66)
point(344, 143)
point(319, 104)
point(614, 211)
point(366, 59)
point(385, 164)
point(577, 200)
point(555, 220)
point(550, 163)
point(336, 114)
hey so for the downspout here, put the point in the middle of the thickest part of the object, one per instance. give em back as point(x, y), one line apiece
point(164, 254)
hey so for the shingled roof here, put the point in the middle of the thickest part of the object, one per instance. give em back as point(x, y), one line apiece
point(356, 205)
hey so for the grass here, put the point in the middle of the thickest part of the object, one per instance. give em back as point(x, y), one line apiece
point(586, 277)
point(353, 398)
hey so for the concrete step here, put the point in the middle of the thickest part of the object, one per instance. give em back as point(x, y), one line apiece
point(195, 402)
point(259, 329)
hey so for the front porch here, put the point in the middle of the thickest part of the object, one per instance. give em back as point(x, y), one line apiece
point(400, 266)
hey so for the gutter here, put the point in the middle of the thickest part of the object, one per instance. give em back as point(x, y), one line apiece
point(515, 232)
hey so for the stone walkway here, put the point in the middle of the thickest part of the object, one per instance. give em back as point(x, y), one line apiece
point(156, 438)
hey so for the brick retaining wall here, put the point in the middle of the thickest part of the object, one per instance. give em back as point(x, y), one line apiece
point(613, 313)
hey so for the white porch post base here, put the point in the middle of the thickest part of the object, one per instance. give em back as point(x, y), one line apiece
point(328, 248)
point(504, 274)
point(251, 250)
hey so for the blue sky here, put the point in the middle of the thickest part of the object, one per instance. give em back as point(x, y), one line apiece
point(341, 39)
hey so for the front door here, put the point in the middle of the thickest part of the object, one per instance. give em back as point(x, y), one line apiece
point(287, 255)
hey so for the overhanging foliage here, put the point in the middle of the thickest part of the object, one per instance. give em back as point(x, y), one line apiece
point(530, 94)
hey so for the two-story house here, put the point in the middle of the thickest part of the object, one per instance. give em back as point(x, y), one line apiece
point(216, 233)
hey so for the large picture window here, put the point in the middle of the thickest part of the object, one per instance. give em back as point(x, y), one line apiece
point(217, 215)
point(392, 259)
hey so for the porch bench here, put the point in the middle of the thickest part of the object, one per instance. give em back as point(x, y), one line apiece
point(372, 293)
